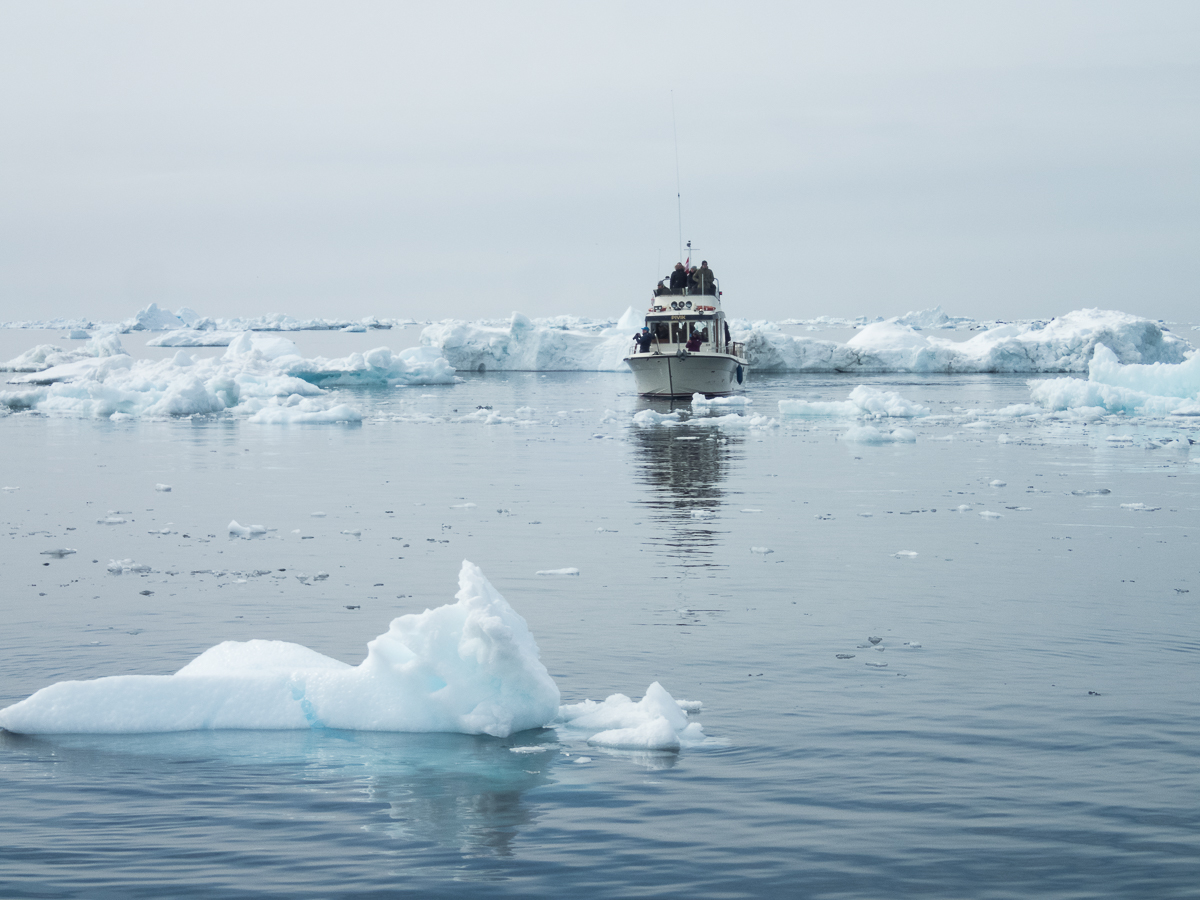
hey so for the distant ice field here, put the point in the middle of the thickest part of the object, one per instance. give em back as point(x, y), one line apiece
point(941, 639)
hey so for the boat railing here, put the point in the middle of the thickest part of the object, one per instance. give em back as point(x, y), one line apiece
point(737, 348)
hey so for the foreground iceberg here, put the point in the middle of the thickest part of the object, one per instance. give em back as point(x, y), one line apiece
point(469, 667)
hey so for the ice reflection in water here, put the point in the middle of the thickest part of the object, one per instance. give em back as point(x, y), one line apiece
point(461, 792)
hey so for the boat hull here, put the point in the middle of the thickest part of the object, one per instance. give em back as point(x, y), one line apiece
point(671, 375)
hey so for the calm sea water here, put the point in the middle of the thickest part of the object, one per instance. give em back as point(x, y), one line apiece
point(1041, 741)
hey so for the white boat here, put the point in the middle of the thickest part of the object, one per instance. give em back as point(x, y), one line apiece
point(669, 369)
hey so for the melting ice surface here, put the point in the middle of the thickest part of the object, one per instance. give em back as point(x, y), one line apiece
point(470, 667)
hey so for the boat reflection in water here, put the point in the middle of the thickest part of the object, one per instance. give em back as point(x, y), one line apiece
point(685, 470)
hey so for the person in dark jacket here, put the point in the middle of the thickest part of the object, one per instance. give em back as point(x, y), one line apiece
point(703, 279)
point(693, 344)
point(679, 279)
point(643, 339)
point(660, 289)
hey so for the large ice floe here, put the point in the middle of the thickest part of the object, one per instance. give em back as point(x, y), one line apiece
point(1064, 344)
point(1157, 389)
point(259, 376)
point(45, 356)
point(521, 344)
point(471, 667)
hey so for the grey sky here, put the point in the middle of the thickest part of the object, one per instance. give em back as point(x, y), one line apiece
point(453, 159)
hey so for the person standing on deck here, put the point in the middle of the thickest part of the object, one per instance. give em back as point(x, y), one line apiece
point(679, 279)
point(703, 279)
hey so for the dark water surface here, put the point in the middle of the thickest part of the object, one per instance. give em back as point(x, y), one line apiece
point(1042, 740)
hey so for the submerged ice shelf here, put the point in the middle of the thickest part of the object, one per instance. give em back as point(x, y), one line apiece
point(470, 667)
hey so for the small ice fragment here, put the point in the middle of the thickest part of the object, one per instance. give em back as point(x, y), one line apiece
point(111, 520)
point(1091, 493)
point(317, 515)
point(763, 550)
point(845, 655)
point(534, 749)
point(352, 532)
point(877, 665)
point(164, 488)
point(582, 759)
point(566, 571)
point(874, 640)
point(295, 531)
point(462, 505)
point(996, 482)
point(866, 515)
point(320, 576)
point(988, 514)
point(963, 507)
point(916, 645)
point(1142, 507)
point(690, 706)
point(7, 488)
point(245, 531)
point(905, 554)
point(751, 510)
point(58, 554)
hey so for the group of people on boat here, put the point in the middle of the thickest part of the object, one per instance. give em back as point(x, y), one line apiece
point(644, 339)
point(683, 280)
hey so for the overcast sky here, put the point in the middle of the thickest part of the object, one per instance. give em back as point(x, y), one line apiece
point(443, 159)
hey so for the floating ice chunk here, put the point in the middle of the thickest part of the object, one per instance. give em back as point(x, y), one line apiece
point(188, 337)
point(317, 515)
point(869, 434)
point(649, 417)
point(962, 507)
point(761, 550)
point(164, 488)
point(470, 667)
point(78, 334)
point(913, 644)
point(463, 506)
point(1140, 507)
point(751, 510)
point(297, 410)
point(58, 554)
point(121, 567)
point(521, 344)
point(988, 514)
point(863, 401)
point(246, 531)
point(152, 319)
point(997, 483)
point(905, 554)
point(566, 571)
point(352, 532)
point(656, 722)
point(539, 748)
point(111, 520)
point(735, 400)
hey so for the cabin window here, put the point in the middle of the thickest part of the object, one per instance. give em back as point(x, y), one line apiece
point(661, 331)
point(679, 332)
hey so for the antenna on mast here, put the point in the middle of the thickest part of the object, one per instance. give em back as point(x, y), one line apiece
point(678, 192)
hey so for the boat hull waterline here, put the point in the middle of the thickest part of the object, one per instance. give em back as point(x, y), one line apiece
point(675, 375)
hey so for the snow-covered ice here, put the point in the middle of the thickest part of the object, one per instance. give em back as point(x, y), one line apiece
point(656, 722)
point(469, 667)
point(260, 377)
point(863, 401)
